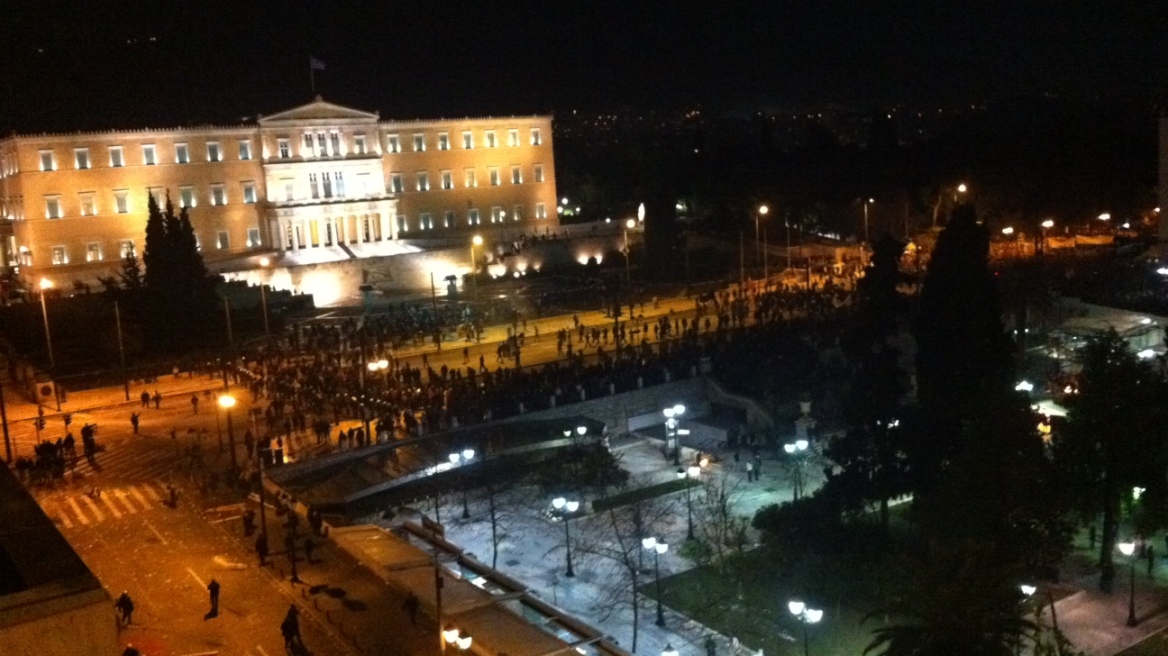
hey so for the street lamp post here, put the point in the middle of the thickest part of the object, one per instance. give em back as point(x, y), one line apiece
point(693, 471)
point(1046, 225)
point(658, 547)
point(264, 262)
point(866, 240)
point(1129, 549)
point(566, 508)
point(461, 459)
point(673, 430)
point(806, 615)
point(227, 402)
point(475, 241)
point(762, 211)
point(669, 650)
point(796, 451)
point(47, 284)
point(629, 225)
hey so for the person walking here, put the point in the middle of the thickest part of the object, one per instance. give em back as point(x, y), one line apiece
point(157, 400)
point(213, 589)
point(145, 399)
point(248, 522)
point(125, 607)
point(309, 546)
point(134, 416)
point(195, 403)
point(290, 628)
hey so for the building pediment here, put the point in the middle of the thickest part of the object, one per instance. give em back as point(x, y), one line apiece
point(318, 111)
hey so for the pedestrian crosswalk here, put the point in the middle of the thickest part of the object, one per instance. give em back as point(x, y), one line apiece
point(129, 463)
point(78, 509)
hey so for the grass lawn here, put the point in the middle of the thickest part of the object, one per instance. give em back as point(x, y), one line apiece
point(749, 601)
point(642, 494)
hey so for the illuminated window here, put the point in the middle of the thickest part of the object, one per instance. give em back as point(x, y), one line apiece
point(253, 237)
point(443, 141)
point(88, 204)
point(419, 143)
point(339, 183)
point(395, 183)
point(93, 252)
point(470, 179)
point(321, 149)
point(536, 137)
point(81, 158)
point(222, 241)
point(122, 201)
point(516, 175)
point(359, 144)
point(48, 162)
point(313, 185)
point(328, 185)
point(517, 213)
point(365, 184)
point(512, 137)
point(496, 214)
point(289, 189)
point(334, 143)
point(403, 224)
point(423, 181)
point(186, 196)
point(472, 216)
point(448, 219)
point(53, 207)
point(157, 194)
point(493, 172)
point(393, 143)
point(60, 255)
point(468, 140)
point(538, 173)
point(149, 156)
point(214, 152)
point(447, 180)
point(425, 222)
point(117, 159)
point(249, 192)
point(245, 149)
point(540, 211)
point(284, 147)
point(219, 194)
point(126, 248)
point(182, 153)
point(490, 138)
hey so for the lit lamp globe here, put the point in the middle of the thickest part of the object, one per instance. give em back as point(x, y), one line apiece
point(1048, 223)
point(1127, 548)
point(382, 364)
point(372, 366)
point(264, 261)
point(669, 650)
point(468, 454)
point(226, 402)
point(763, 209)
point(46, 283)
point(813, 615)
point(477, 241)
point(631, 223)
point(796, 607)
point(450, 634)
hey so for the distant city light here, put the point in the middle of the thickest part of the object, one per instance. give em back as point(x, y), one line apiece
point(1024, 386)
point(961, 188)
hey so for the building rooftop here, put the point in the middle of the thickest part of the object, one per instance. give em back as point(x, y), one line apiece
point(40, 574)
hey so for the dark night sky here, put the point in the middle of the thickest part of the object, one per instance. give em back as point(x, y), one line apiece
point(68, 65)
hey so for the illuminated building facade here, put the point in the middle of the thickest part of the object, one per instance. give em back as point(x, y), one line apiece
point(319, 178)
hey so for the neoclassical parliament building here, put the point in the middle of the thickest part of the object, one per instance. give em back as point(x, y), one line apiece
point(319, 178)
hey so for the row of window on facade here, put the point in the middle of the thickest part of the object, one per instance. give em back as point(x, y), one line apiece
point(473, 217)
point(318, 144)
point(470, 178)
point(95, 251)
point(117, 155)
point(188, 197)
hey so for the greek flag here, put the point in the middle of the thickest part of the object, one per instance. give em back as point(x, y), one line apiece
point(315, 64)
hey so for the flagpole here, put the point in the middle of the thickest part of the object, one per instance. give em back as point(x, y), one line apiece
point(312, 77)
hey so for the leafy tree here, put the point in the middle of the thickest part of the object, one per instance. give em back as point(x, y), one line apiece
point(1115, 439)
point(131, 275)
point(583, 467)
point(870, 453)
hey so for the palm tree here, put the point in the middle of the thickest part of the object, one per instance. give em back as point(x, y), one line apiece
point(954, 604)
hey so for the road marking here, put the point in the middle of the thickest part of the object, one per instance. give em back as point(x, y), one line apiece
point(121, 496)
point(155, 531)
point(153, 495)
point(110, 504)
point(196, 577)
point(62, 516)
point(94, 509)
point(139, 497)
point(77, 510)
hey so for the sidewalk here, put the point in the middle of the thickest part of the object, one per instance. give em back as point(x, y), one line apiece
point(19, 408)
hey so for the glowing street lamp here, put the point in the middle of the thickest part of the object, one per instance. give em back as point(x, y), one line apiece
point(761, 212)
point(658, 547)
point(629, 225)
point(264, 262)
point(1106, 216)
point(1129, 549)
point(669, 650)
point(46, 285)
point(695, 472)
point(806, 615)
point(1008, 230)
point(227, 402)
point(462, 458)
point(450, 635)
point(797, 449)
point(565, 508)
